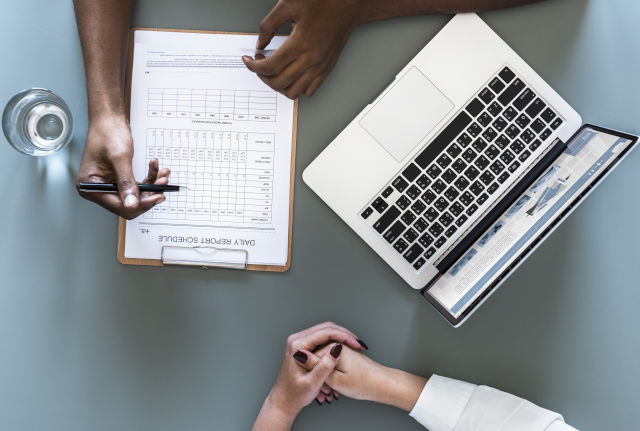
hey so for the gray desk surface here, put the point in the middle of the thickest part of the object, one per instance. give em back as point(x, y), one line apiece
point(86, 343)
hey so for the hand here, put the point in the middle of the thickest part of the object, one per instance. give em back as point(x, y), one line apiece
point(295, 387)
point(360, 377)
point(107, 159)
point(321, 28)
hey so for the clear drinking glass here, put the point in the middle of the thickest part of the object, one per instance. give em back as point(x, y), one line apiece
point(37, 122)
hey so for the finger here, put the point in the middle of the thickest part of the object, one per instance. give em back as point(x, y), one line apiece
point(328, 398)
point(325, 366)
point(271, 23)
point(323, 325)
point(323, 335)
point(148, 202)
point(336, 394)
point(320, 398)
point(288, 76)
point(326, 389)
point(276, 62)
point(127, 187)
point(301, 84)
point(153, 172)
point(311, 89)
point(164, 172)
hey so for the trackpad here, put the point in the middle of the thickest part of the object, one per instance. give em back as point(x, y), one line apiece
point(406, 114)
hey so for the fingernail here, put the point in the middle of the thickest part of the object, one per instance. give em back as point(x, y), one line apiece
point(362, 343)
point(319, 403)
point(246, 58)
point(130, 201)
point(300, 356)
point(257, 43)
point(329, 401)
point(335, 350)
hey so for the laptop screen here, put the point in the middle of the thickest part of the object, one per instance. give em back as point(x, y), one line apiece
point(588, 156)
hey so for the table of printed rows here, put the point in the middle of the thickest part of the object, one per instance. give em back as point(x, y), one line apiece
point(212, 104)
point(229, 175)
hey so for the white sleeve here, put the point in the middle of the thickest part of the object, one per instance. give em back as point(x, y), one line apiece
point(451, 405)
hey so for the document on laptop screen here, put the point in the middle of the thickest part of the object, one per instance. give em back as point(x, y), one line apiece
point(586, 156)
point(223, 133)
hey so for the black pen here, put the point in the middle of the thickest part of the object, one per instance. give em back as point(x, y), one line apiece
point(112, 187)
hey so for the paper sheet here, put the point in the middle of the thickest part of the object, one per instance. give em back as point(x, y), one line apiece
point(223, 133)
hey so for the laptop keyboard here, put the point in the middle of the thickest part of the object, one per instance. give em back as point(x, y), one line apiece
point(462, 168)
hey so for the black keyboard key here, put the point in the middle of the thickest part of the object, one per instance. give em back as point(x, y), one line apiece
point(444, 161)
point(527, 136)
point(456, 209)
point(524, 99)
point(451, 193)
point(524, 156)
point(408, 217)
point(413, 253)
point(479, 145)
point(420, 225)
point(494, 109)
point(419, 263)
point(510, 113)
point(490, 134)
point(454, 150)
point(556, 123)
point(411, 172)
point(446, 219)
point(517, 146)
point(380, 205)
point(431, 214)
point(423, 181)
point(548, 115)
point(403, 202)
point(434, 171)
point(545, 135)
point(486, 96)
point(507, 75)
point(514, 166)
point(426, 240)
point(482, 162)
point(473, 208)
point(428, 197)
point(497, 167)
point(484, 120)
point(523, 121)
point(535, 144)
point(538, 125)
point(387, 218)
point(410, 235)
point(471, 172)
point(492, 152)
point(413, 192)
point(400, 184)
point(467, 198)
point(394, 232)
point(441, 204)
point(482, 198)
point(366, 213)
point(492, 188)
point(440, 242)
point(503, 177)
point(459, 166)
point(436, 229)
point(387, 192)
point(475, 107)
point(469, 155)
point(474, 129)
point(496, 85)
point(507, 157)
point(500, 124)
point(418, 207)
point(502, 142)
point(463, 218)
point(512, 131)
point(476, 188)
point(487, 178)
point(438, 186)
point(511, 92)
point(400, 246)
point(438, 145)
point(461, 183)
point(535, 108)
point(430, 252)
point(448, 176)
point(464, 140)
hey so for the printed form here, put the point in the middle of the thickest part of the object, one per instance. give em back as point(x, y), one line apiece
point(223, 133)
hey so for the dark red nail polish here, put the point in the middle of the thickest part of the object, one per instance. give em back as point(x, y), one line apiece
point(318, 402)
point(300, 356)
point(329, 401)
point(362, 343)
point(335, 350)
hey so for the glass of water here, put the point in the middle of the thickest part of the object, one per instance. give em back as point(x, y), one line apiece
point(37, 122)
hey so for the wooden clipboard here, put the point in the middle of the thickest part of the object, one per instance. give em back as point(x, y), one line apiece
point(122, 223)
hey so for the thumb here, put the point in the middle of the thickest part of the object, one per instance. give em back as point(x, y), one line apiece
point(270, 24)
point(323, 369)
point(127, 187)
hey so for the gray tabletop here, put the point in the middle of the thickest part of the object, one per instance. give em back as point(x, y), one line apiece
point(87, 343)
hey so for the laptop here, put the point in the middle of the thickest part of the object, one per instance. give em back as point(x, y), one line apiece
point(462, 166)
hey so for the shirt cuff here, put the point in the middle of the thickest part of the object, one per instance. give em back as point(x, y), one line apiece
point(441, 403)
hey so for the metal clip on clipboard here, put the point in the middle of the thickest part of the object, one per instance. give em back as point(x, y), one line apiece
point(204, 257)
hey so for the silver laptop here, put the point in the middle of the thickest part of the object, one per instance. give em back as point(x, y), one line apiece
point(459, 168)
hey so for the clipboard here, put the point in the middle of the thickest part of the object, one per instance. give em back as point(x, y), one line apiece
point(203, 257)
